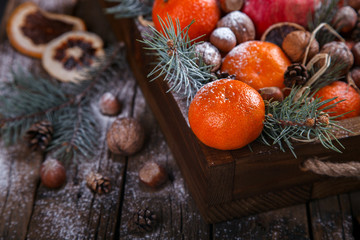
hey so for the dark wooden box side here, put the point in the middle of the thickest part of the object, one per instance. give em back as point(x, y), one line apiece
point(224, 184)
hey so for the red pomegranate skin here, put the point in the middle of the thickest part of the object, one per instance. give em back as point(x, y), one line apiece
point(265, 13)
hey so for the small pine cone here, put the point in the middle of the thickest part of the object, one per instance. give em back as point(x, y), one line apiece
point(39, 135)
point(98, 183)
point(295, 74)
point(142, 221)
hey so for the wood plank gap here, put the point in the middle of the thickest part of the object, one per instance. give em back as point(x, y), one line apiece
point(33, 204)
point(309, 220)
point(121, 201)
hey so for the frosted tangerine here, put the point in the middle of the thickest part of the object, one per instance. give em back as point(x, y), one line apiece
point(259, 64)
point(227, 114)
point(206, 14)
point(342, 91)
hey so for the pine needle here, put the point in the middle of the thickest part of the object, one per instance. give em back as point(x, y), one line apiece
point(177, 61)
point(130, 8)
point(28, 99)
point(323, 14)
point(289, 121)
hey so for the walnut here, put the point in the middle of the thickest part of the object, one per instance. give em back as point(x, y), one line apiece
point(345, 19)
point(340, 55)
point(295, 44)
point(125, 136)
point(240, 24)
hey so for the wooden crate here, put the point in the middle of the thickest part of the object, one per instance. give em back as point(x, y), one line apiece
point(230, 184)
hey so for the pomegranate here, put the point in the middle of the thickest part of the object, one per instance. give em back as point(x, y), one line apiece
point(265, 13)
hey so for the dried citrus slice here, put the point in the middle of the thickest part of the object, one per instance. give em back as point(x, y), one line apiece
point(30, 28)
point(277, 32)
point(67, 56)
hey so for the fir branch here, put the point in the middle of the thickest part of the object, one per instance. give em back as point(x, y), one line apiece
point(302, 120)
point(177, 60)
point(28, 99)
point(335, 72)
point(130, 8)
point(324, 13)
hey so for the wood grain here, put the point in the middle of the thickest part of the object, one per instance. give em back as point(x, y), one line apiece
point(216, 178)
point(331, 218)
point(287, 223)
point(21, 167)
point(171, 202)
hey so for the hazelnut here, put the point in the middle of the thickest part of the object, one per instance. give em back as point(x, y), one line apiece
point(271, 93)
point(210, 55)
point(355, 4)
point(125, 136)
point(355, 50)
point(152, 174)
point(240, 24)
point(345, 19)
point(355, 75)
point(231, 5)
point(295, 44)
point(109, 104)
point(52, 173)
point(340, 54)
point(223, 38)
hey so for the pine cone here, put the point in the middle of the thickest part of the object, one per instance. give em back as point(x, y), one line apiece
point(39, 135)
point(142, 221)
point(98, 183)
point(295, 74)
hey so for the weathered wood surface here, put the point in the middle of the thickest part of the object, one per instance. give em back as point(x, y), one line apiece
point(28, 210)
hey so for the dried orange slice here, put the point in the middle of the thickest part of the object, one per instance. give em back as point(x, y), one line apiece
point(30, 28)
point(67, 56)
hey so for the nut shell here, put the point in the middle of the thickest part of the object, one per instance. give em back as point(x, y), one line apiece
point(278, 31)
point(345, 19)
point(109, 104)
point(52, 173)
point(355, 75)
point(210, 55)
point(153, 174)
point(355, 50)
point(231, 5)
point(340, 54)
point(271, 93)
point(223, 38)
point(240, 24)
point(295, 44)
point(125, 136)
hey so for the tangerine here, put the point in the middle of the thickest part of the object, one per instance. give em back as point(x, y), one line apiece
point(227, 114)
point(342, 91)
point(206, 14)
point(257, 63)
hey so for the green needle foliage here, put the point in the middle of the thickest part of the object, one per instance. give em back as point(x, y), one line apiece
point(130, 8)
point(323, 14)
point(28, 99)
point(177, 60)
point(301, 120)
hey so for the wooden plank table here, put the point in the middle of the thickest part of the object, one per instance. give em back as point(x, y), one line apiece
point(28, 210)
